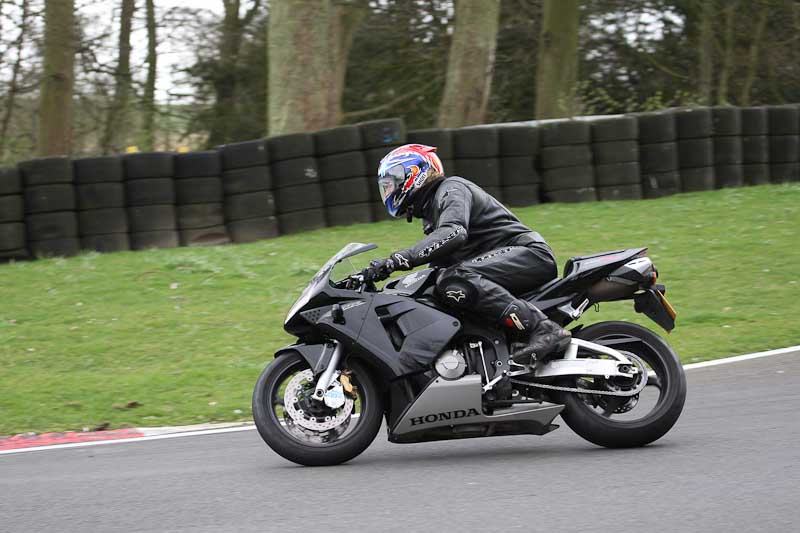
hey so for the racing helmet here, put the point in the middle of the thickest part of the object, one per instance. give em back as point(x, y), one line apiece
point(403, 172)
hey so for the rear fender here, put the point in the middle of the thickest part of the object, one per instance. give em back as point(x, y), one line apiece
point(316, 355)
point(653, 305)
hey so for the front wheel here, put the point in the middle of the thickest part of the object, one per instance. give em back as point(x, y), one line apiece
point(627, 421)
point(309, 432)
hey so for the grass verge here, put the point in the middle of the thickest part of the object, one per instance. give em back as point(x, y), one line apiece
point(180, 336)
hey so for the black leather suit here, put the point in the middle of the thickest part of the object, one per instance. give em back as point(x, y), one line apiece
point(489, 255)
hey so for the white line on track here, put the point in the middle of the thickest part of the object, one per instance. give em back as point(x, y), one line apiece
point(177, 431)
point(791, 350)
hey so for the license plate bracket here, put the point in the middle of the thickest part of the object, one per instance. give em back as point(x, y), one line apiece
point(653, 304)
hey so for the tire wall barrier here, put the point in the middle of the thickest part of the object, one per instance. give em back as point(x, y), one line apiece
point(249, 191)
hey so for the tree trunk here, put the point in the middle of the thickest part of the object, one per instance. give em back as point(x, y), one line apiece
point(116, 121)
point(727, 54)
point(557, 72)
point(149, 100)
point(470, 66)
point(346, 20)
point(705, 52)
point(308, 42)
point(13, 85)
point(752, 57)
point(58, 79)
point(225, 77)
point(298, 45)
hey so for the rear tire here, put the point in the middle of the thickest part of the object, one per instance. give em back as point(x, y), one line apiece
point(610, 433)
point(280, 440)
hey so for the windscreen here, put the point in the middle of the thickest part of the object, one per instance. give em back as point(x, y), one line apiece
point(312, 288)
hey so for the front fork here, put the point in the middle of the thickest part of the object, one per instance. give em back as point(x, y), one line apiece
point(329, 374)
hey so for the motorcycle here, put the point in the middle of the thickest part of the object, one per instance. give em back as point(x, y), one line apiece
point(366, 354)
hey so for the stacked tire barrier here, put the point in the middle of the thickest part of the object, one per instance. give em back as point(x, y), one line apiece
point(566, 162)
point(784, 143)
point(477, 157)
point(755, 145)
point(695, 148)
point(615, 150)
point(441, 138)
point(13, 241)
point(150, 195)
point(248, 201)
point(102, 213)
point(519, 180)
point(658, 154)
point(50, 207)
point(254, 190)
point(378, 138)
point(295, 175)
point(199, 199)
point(728, 156)
point(343, 171)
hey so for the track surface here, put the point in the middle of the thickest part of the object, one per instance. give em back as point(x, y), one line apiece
point(732, 463)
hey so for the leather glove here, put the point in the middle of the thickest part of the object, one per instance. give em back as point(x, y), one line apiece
point(379, 269)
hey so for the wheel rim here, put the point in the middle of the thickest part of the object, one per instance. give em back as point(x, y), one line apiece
point(308, 421)
point(628, 409)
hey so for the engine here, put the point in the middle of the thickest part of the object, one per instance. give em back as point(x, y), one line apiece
point(451, 364)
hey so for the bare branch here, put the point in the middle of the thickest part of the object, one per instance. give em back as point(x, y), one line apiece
point(251, 13)
point(349, 115)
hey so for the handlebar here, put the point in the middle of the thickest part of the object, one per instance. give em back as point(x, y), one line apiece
point(356, 282)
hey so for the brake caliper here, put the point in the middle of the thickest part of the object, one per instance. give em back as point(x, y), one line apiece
point(349, 389)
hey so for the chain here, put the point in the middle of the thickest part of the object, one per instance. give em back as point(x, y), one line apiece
point(634, 392)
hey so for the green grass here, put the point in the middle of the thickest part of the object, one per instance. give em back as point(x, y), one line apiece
point(186, 332)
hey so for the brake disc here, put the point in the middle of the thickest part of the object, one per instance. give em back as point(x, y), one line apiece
point(310, 421)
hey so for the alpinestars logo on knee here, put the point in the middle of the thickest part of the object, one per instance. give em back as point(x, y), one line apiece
point(456, 295)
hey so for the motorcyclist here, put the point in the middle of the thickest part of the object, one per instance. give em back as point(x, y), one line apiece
point(488, 255)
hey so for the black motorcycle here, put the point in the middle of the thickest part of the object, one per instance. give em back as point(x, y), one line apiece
point(364, 354)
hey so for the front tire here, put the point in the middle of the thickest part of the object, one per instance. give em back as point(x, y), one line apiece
point(599, 428)
point(323, 451)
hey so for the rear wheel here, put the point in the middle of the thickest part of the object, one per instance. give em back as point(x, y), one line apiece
point(309, 432)
point(627, 421)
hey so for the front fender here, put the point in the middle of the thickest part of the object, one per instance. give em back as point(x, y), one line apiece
point(316, 355)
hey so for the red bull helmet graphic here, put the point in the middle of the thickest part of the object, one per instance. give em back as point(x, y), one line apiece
point(403, 172)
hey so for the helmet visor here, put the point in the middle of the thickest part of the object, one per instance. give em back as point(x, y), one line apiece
point(391, 180)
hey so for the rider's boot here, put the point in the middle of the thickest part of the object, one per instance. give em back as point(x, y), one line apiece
point(540, 335)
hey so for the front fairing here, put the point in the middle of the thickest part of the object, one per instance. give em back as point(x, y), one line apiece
point(320, 288)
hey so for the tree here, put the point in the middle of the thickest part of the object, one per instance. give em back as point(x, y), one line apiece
point(557, 72)
point(308, 45)
point(398, 62)
point(58, 78)
point(705, 51)
point(149, 99)
point(228, 71)
point(13, 85)
point(515, 64)
point(346, 19)
point(470, 67)
point(753, 55)
point(116, 122)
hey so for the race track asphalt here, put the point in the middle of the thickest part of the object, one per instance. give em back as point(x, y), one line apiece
point(732, 463)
